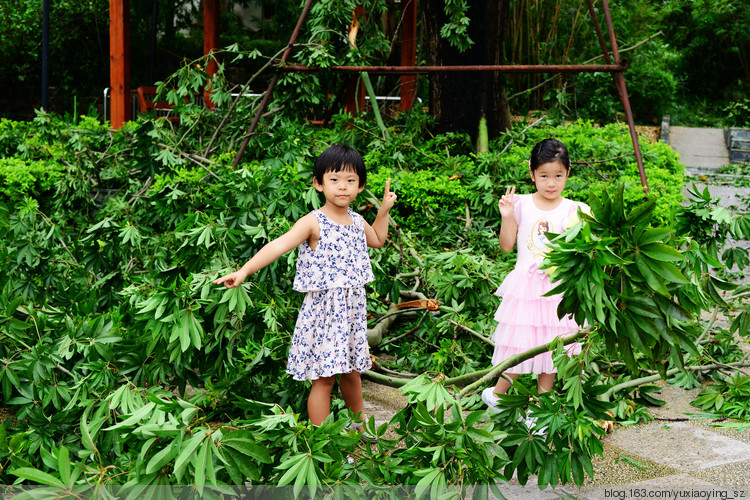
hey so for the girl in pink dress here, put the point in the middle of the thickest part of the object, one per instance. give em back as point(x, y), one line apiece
point(525, 317)
point(333, 266)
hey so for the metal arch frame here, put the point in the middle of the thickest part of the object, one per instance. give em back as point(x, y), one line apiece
point(616, 68)
point(120, 65)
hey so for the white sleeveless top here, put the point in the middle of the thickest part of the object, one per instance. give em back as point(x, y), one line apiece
point(340, 259)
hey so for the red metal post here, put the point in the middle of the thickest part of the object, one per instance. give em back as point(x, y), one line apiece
point(620, 84)
point(119, 62)
point(408, 52)
point(210, 42)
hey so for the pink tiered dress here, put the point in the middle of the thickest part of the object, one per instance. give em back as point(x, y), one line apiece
point(525, 317)
point(330, 335)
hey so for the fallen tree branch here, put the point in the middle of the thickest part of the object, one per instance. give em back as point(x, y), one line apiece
point(387, 371)
point(522, 132)
point(653, 378)
point(548, 80)
point(376, 333)
point(473, 332)
point(519, 358)
point(234, 102)
point(394, 339)
point(479, 377)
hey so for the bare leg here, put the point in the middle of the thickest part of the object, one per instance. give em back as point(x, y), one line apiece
point(545, 381)
point(351, 389)
point(503, 384)
point(319, 401)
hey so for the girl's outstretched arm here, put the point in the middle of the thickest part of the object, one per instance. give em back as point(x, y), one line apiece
point(378, 232)
point(301, 231)
point(509, 228)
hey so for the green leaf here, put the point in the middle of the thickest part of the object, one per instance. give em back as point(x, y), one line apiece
point(652, 236)
point(653, 281)
point(135, 417)
point(86, 438)
point(36, 476)
point(641, 213)
point(659, 251)
point(667, 270)
point(203, 463)
point(160, 459)
point(576, 469)
point(480, 435)
point(293, 464)
point(63, 465)
point(187, 452)
point(241, 441)
point(723, 285)
point(431, 478)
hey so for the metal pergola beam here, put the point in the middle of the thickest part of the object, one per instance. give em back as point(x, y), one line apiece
point(511, 68)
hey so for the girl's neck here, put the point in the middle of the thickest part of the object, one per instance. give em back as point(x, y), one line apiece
point(543, 203)
point(338, 214)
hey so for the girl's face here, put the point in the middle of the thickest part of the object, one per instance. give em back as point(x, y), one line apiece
point(550, 179)
point(339, 188)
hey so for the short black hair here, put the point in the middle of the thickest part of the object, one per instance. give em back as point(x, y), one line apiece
point(548, 151)
point(337, 158)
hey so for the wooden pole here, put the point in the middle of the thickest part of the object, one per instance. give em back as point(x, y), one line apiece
point(119, 62)
point(408, 52)
point(210, 42)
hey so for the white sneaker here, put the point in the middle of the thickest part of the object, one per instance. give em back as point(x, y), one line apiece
point(531, 422)
point(489, 398)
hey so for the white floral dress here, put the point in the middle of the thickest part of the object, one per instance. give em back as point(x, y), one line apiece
point(330, 336)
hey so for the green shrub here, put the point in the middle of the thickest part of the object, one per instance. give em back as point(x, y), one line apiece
point(27, 178)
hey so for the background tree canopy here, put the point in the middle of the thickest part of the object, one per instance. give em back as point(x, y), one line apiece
point(688, 58)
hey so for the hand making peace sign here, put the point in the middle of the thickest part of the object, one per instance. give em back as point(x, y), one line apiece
point(506, 203)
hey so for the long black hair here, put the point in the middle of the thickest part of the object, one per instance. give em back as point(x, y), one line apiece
point(549, 150)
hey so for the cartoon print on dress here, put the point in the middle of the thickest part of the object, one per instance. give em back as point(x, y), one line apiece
point(538, 241)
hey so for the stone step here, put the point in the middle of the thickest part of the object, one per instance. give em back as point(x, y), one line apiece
point(736, 156)
point(739, 144)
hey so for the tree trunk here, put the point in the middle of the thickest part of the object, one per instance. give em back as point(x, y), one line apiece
point(459, 100)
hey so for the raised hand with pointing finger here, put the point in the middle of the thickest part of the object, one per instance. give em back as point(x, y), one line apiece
point(389, 197)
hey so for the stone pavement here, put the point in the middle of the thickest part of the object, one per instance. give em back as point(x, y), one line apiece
point(702, 150)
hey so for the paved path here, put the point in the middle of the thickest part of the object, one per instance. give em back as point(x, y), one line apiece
point(702, 150)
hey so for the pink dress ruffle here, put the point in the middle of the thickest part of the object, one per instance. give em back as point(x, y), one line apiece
point(526, 319)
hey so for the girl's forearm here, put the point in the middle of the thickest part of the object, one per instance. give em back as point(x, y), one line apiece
point(380, 226)
point(508, 232)
point(265, 256)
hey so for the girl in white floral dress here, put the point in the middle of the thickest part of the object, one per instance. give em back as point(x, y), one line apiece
point(333, 266)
